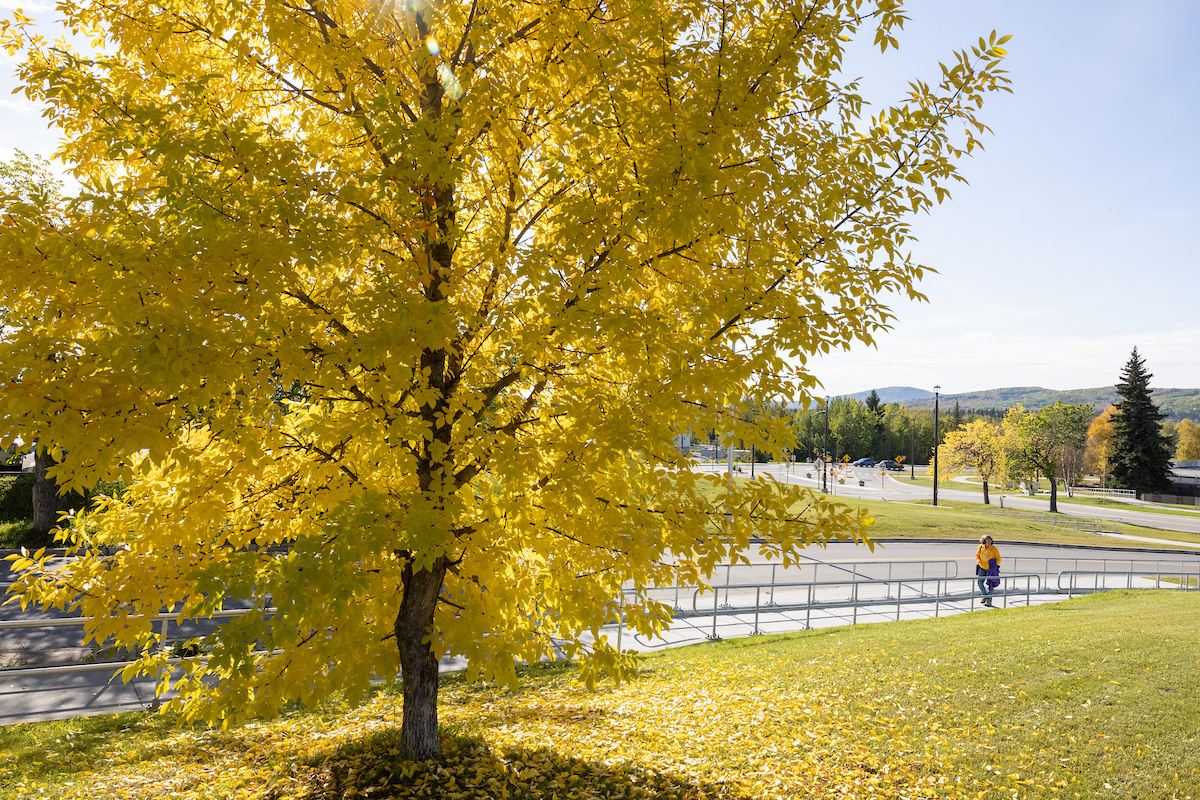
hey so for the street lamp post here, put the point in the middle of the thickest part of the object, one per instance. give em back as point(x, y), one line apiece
point(825, 454)
point(936, 436)
point(912, 454)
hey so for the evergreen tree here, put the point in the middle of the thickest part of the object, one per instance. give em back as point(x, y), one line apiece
point(956, 419)
point(875, 406)
point(1141, 456)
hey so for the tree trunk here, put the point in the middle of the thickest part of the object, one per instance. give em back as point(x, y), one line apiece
point(414, 621)
point(1053, 495)
point(986, 501)
point(45, 492)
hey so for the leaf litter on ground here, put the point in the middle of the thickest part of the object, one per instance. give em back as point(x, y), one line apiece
point(1052, 701)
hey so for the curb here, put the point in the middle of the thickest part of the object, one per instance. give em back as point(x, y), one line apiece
point(930, 540)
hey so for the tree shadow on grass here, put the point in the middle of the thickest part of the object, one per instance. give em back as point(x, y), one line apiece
point(470, 769)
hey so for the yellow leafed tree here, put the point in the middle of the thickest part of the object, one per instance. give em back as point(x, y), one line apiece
point(1099, 444)
point(389, 312)
point(1188, 448)
point(978, 445)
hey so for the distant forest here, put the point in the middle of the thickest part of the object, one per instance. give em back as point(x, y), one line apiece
point(1177, 404)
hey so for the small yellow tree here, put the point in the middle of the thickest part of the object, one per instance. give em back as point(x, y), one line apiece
point(1099, 444)
point(978, 445)
point(1188, 448)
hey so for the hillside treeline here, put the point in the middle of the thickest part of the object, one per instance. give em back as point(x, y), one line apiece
point(880, 431)
point(903, 433)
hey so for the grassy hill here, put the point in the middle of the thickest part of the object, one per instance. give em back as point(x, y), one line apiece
point(1176, 403)
point(1085, 698)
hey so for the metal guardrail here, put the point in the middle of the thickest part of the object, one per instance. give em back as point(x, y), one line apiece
point(1188, 581)
point(59, 622)
point(1050, 566)
point(1088, 491)
point(1086, 524)
point(919, 594)
point(945, 568)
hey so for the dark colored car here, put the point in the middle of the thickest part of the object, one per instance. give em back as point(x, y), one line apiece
point(865, 462)
point(892, 465)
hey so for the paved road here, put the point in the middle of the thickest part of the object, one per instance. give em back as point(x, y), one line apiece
point(894, 488)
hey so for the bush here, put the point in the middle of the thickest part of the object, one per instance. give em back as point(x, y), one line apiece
point(14, 535)
point(16, 509)
point(16, 497)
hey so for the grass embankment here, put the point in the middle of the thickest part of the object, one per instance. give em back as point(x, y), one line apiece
point(1104, 502)
point(955, 519)
point(1072, 700)
point(1098, 502)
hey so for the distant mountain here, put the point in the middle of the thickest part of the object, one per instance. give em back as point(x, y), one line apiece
point(895, 394)
point(1176, 403)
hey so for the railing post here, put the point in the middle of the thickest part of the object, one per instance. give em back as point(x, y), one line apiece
point(899, 589)
point(771, 602)
point(854, 595)
point(808, 610)
point(757, 594)
point(937, 599)
point(620, 619)
point(716, 595)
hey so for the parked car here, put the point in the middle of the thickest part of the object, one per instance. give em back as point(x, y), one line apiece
point(891, 465)
point(865, 462)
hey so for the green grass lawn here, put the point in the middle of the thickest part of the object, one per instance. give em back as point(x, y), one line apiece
point(927, 482)
point(1104, 502)
point(957, 519)
point(1099, 502)
point(1093, 697)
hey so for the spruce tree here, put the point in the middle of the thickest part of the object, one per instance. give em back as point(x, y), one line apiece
point(875, 406)
point(956, 419)
point(1141, 455)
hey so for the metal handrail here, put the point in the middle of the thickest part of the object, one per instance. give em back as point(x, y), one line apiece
point(65, 621)
point(1073, 588)
point(920, 596)
point(1086, 524)
point(949, 569)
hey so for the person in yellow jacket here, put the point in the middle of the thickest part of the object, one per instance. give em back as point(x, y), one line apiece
point(987, 563)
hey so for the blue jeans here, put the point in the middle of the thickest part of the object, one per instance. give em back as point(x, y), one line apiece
point(981, 574)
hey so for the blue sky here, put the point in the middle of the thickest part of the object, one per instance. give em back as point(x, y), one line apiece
point(1076, 239)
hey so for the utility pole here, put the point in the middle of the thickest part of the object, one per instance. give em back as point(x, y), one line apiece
point(936, 436)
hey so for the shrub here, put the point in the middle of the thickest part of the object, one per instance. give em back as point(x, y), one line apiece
point(16, 497)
